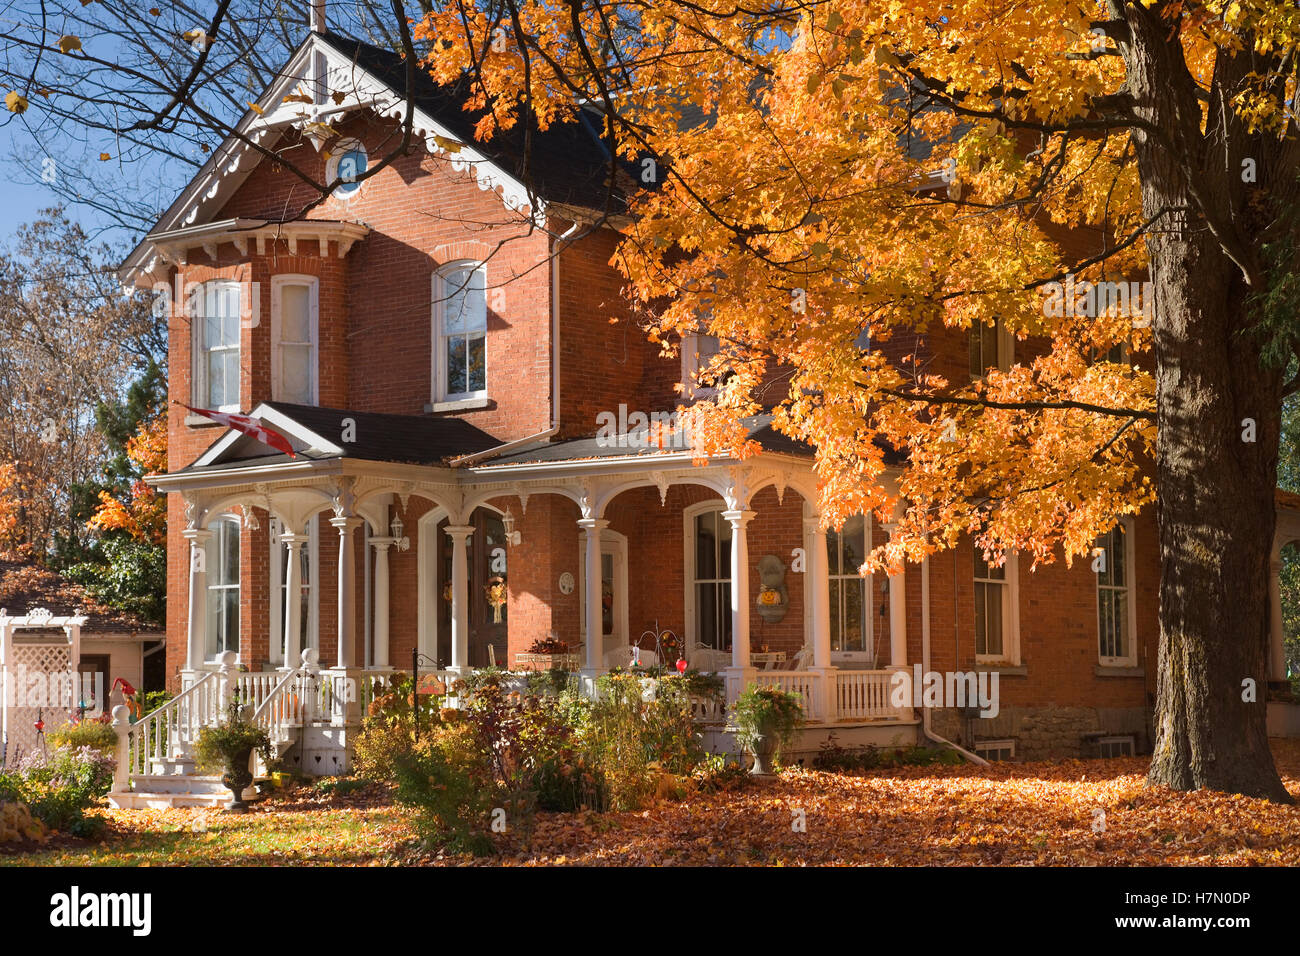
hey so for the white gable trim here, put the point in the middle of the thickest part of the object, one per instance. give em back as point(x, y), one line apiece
point(316, 69)
point(305, 438)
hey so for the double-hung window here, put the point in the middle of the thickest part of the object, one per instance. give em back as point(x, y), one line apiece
point(1112, 563)
point(222, 559)
point(294, 332)
point(850, 597)
point(997, 637)
point(215, 312)
point(460, 332)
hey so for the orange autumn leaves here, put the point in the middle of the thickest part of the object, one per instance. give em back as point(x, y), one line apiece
point(790, 226)
point(144, 515)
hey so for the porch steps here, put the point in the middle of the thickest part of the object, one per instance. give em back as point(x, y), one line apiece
point(160, 791)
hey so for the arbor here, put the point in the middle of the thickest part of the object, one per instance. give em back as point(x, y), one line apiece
point(841, 168)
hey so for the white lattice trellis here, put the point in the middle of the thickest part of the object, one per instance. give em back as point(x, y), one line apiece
point(49, 667)
point(36, 678)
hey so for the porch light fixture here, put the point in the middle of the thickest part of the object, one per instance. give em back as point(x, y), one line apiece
point(399, 542)
point(508, 523)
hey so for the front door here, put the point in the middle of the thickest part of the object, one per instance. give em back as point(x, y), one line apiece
point(488, 612)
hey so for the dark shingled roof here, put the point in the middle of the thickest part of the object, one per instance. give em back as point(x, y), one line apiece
point(25, 585)
point(582, 449)
point(413, 439)
point(567, 163)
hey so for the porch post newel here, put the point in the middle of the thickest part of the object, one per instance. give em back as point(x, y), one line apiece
point(347, 624)
point(292, 643)
point(741, 673)
point(196, 639)
point(379, 656)
point(592, 594)
point(459, 535)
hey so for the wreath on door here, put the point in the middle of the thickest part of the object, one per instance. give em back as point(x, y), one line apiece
point(496, 596)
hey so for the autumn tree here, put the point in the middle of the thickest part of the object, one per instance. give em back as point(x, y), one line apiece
point(834, 170)
point(127, 567)
point(71, 337)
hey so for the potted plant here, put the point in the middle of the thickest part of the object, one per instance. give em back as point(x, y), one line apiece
point(765, 719)
point(229, 747)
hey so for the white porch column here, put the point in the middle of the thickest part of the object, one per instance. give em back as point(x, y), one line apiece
point(897, 616)
point(1276, 645)
point(380, 629)
point(459, 535)
point(347, 623)
point(817, 592)
point(292, 643)
point(595, 636)
point(196, 643)
point(741, 672)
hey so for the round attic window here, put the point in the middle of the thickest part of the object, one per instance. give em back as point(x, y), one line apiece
point(347, 161)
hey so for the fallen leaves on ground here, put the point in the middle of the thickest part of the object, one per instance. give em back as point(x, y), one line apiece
point(1005, 814)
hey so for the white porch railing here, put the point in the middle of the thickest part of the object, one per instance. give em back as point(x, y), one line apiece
point(857, 695)
point(288, 704)
point(807, 684)
point(172, 729)
point(864, 695)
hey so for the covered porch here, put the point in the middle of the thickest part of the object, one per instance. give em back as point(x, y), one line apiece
point(722, 565)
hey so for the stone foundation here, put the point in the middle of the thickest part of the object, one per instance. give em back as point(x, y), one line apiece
point(1047, 733)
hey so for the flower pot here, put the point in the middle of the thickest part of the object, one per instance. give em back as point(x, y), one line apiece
point(764, 747)
point(238, 778)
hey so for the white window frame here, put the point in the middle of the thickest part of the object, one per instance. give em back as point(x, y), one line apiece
point(337, 152)
point(198, 322)
point(441, 287)
point(1130, 611)
point(868, 653)
point(212, 558)
point(689, 515)
point(691, 366)
point(1010, 586)
point(311, 585)
point(1006, 349)
point(277, 328)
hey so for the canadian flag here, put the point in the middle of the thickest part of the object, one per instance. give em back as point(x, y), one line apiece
point(250, 426)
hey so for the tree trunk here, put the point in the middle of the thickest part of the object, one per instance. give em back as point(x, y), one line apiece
point(1216, 504)
point(1216, 515)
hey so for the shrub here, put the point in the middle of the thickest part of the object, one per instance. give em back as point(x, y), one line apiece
point(86, 733)
point(439, 778)
point(762, 710)
point(222, 743)
point(340, 786)
point(58, 789)
point(835, 758)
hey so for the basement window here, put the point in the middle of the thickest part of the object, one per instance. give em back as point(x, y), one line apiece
point(1119, 746)
point(995, 749)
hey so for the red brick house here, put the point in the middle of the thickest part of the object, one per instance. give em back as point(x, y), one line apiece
point(448, 352)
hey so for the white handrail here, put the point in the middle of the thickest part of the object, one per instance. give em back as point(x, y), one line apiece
point(164, 732)
point(285, 706)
